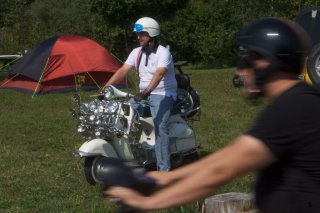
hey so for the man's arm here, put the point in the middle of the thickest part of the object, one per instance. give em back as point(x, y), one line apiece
point(157, 78)
point(203, 177)
point(120, 74)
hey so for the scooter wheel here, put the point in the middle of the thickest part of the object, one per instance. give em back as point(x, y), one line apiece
point(177, 160)
point(313, 65)
point(88, 163)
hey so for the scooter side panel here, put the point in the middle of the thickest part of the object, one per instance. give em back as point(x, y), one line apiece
point(148, 137)
point(122, 147)
point(183, 144)
point(181, 135)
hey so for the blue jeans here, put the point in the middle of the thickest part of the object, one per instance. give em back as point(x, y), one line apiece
point(160, 107)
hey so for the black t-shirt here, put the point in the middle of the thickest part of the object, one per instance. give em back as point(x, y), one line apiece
point(290, 128)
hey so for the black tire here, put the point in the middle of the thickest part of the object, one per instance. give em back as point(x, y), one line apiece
point(196, 102)
point(176, 160)
point(187, 102)
point(88, 161)
point(313, 65)
point(192, 158)
point(179, 159)
point(183, 81)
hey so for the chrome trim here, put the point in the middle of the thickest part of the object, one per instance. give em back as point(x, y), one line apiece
point(81, 154)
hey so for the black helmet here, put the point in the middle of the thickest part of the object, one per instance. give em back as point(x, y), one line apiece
point(115, 172)
point(284, 43)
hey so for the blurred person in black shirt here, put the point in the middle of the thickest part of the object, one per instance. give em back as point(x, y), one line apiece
point(283, 145)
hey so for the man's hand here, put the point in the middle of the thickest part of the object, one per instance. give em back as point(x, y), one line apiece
point(142, 95)
point(139, 97)
point(162, 178)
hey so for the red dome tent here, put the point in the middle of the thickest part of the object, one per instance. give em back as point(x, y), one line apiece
point(62, 63)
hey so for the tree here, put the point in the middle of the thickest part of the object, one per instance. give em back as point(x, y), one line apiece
point(119, 17)
point(27, 23)
point(12, 19)
point(200, 31)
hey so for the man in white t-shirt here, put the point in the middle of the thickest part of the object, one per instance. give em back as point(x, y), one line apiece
point(158, 85)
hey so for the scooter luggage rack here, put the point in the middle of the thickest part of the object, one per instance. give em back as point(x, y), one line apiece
point(195, 117)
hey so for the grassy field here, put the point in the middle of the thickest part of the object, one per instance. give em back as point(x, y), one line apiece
point(38, 137)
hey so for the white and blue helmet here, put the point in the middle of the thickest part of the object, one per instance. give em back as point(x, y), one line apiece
point(148, 25)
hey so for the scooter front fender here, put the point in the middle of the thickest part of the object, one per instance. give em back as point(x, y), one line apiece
point(96, 147)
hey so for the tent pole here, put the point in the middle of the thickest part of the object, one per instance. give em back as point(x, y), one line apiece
point(7, 65)
point(9, 80)
point(75, 82)
point(127, 84)
point(117, 58)
point(40, 78)
point(94, 80)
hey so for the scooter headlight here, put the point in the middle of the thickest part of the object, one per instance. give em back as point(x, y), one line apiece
point(92, 106)
point(81, 128)
point(108, 93)
point(112, 107)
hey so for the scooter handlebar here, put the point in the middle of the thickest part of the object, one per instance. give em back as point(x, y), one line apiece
point(116, 93)
point(120, 94)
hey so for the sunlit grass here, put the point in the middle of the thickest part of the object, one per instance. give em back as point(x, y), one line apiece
point(38, 137)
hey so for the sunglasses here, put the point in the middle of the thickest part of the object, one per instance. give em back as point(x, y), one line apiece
point(137, 27)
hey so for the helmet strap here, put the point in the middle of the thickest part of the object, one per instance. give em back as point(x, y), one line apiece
point(261, 77)
point(151, 47)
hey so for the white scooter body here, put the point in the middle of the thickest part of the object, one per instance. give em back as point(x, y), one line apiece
point(113, 130)
point(182, 135)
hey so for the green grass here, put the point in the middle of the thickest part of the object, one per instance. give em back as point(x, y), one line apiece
point(38, 137)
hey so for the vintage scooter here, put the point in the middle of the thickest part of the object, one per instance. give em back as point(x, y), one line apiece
point(113, 129)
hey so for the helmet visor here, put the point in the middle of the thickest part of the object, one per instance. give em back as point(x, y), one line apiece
point(137, 27)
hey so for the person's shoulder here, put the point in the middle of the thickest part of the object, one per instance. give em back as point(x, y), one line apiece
point(303, 90)
point(298, 100)
point(163, 50)
point(308, 95)
point(135, 51)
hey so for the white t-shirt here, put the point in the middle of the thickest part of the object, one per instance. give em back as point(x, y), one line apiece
point(162, 58)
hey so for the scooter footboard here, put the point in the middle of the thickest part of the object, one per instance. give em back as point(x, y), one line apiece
point(96, 147)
